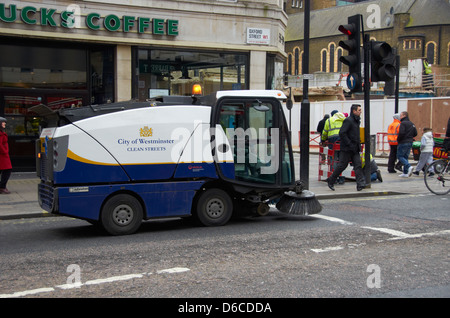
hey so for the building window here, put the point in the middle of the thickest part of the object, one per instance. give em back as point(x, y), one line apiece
point(340, 51)
point(297, 4)
point(448, 54)
point(167, 72)
point(331, 48)
point(297, 60)
point(289, 64)
point(430, 50)
point(35, 67)
point(323, 63)
point(412, 44)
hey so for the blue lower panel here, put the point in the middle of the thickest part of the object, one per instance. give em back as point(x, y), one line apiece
point(196, 170)
point(227, 169)
point(162, 171)
point(160, 199)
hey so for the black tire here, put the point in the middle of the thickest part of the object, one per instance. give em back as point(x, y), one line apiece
point(121, 215)
point(214, 208)
point(437, 177)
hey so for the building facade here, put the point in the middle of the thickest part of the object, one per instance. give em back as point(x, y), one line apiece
point(72, 53)
point(416, 29)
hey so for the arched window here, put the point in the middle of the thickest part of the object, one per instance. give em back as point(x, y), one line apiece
point(340, 51)
point(300, 65)
point(323, 63)
point(331, 48)
point(289, 64)
point(431, 52)
point(296, 61)
point(448, 54)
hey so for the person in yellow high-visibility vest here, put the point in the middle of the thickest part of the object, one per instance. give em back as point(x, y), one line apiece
point(374, 171)
point(330, 133)
point(427, 78)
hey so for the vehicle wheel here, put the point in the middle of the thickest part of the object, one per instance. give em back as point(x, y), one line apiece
point(214, 208)
point(437, 177)
point(121, 215)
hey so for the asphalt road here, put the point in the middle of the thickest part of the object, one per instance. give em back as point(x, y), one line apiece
point(392, 246)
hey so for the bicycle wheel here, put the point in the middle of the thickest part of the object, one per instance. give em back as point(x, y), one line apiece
point(437, 177)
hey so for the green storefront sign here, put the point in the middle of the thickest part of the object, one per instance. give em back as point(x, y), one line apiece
point(68, 19)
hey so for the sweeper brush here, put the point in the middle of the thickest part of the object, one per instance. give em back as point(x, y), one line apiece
point(303, 203)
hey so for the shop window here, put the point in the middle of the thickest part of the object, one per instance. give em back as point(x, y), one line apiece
point(164, 72)
point(102, 75)
point(42, 67)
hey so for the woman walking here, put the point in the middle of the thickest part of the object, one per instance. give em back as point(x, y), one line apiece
point(5, 161)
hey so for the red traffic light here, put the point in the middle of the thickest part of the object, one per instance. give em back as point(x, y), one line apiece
point(347, 29)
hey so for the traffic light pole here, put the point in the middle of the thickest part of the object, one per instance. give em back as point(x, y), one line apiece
point(305, 107)
point(397, 82)
point(366, 47)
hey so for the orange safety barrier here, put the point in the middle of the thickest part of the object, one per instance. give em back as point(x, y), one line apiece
point(383, 143)
point(314, 141)
point(327, 162)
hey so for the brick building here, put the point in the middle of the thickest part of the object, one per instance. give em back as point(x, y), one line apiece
point(415, 28)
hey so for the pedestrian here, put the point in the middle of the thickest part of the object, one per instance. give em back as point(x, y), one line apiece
point(350, 148)
point(5, 161)
point(392, 140)
point(320, 127)
point(330, 134)
point(321, 124)
point(406, 133)
point(426, 150)
point(427, 81)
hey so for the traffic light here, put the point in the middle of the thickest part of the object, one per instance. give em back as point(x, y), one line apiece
point(352, 45)
point(382, 62)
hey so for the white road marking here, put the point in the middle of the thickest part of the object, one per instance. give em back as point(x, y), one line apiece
point(93, 282)
point(327, 249)
point(421, 234)
point(173, 270)
point(402, 235)
point(332, 219)
point(398, 235)
point(28, 292)
point(388, 231)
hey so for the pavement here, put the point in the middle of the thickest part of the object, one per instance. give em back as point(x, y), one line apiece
point(22, 201)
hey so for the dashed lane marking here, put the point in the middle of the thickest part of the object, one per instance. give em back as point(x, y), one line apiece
point(92, 282)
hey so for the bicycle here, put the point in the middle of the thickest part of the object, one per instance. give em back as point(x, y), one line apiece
point(437, 176)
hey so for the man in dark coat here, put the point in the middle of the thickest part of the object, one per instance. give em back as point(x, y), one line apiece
point(350, 149)
point(406, 133)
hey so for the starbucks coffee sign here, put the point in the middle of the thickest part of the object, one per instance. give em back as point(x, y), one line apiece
point(72, 18)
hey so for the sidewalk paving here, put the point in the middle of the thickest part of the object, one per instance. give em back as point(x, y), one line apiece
point(22, 202)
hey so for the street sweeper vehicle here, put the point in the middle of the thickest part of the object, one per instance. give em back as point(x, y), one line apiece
point(209, 157)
